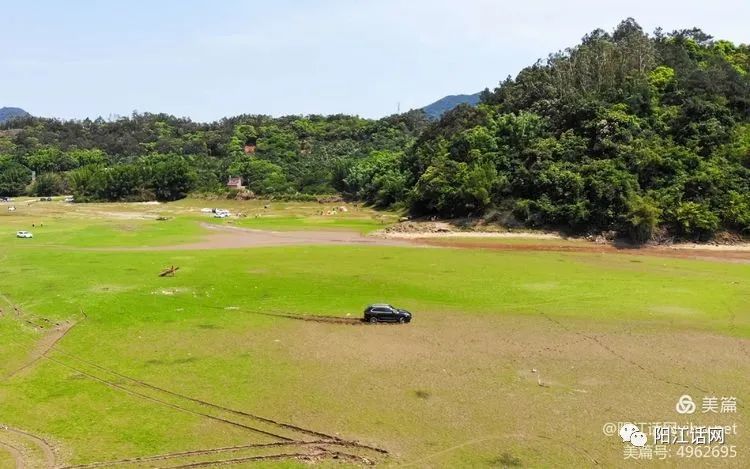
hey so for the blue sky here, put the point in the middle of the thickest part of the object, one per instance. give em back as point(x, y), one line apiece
point(209, 59)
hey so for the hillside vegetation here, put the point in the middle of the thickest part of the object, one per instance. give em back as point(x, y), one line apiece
point(643, 134)
point(625, 131)
point(158, 156)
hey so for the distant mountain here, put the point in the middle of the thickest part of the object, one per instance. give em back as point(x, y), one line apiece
point(8, 113)
point(441, 106)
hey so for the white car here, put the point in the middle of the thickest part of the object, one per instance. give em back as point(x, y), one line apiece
point(221, 213)
point(24, 234)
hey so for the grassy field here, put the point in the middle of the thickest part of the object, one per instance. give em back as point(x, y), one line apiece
point(514, 358)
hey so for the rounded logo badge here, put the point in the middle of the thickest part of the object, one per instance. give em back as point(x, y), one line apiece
point(685, 405)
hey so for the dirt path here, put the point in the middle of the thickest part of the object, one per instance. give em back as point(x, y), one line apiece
point(16, 454)
point(230, 237)
point(703, 253)
point(19, 454)
point(43, 347)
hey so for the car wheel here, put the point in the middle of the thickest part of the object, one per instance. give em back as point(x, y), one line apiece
point(373, 319)
point(401, 320)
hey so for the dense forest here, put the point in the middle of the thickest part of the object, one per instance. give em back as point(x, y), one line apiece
point(640, 133)
point(158, 156)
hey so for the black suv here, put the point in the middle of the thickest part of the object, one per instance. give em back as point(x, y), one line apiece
point(386, 313)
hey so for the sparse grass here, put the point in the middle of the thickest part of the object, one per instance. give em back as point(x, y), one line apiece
point(490, 240)
point(450, 389)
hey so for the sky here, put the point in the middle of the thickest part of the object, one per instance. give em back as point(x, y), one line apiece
point(210, 59)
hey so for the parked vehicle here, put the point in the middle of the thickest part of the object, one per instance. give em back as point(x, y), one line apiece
point(386, 313)
point(24, 234)
point(221, 213)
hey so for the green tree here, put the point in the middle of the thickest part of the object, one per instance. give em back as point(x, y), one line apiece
point(261, 176)
point(377, 179)
point(170, 177)
point(48, 184)
point(696, 220)
point(13, 179)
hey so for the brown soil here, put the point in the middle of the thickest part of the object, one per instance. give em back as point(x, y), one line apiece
point(229, 237)
point(21, 441)
point(43, 346)
point(15, 453)
point(284, 450)
point(726, 255)
point(535, 376)
point(315, 318)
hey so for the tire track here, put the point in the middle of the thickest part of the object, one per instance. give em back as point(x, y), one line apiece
point(62, 329)
point(192, 453)
point(208, 404)
point(165, 403)
point(16, 453)
point(322, 437)
point(319, 445)
point(40, 352)
point(328, 438)
point(316, 318)
point(47, 449)
point(307, 457)
point(227, 462)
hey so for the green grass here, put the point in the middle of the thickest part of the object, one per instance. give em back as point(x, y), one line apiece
point(200, 333)
point(340, 280)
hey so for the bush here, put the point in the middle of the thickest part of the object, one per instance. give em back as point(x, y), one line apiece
point(642, 219)
point(48, 184)
point(696, 220)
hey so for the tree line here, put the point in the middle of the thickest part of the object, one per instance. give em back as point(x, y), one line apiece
point(640, 133)
point(161, 157)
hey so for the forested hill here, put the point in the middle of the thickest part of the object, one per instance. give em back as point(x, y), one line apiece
point(646, 134)
point(8, 113)
point(625, 131)
point(443, 105)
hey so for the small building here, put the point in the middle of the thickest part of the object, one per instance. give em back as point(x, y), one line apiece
point(235, 183)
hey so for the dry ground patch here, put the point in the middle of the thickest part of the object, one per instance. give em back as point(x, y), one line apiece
point(524, 386)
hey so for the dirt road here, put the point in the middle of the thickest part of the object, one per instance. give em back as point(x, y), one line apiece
point(230, 237)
